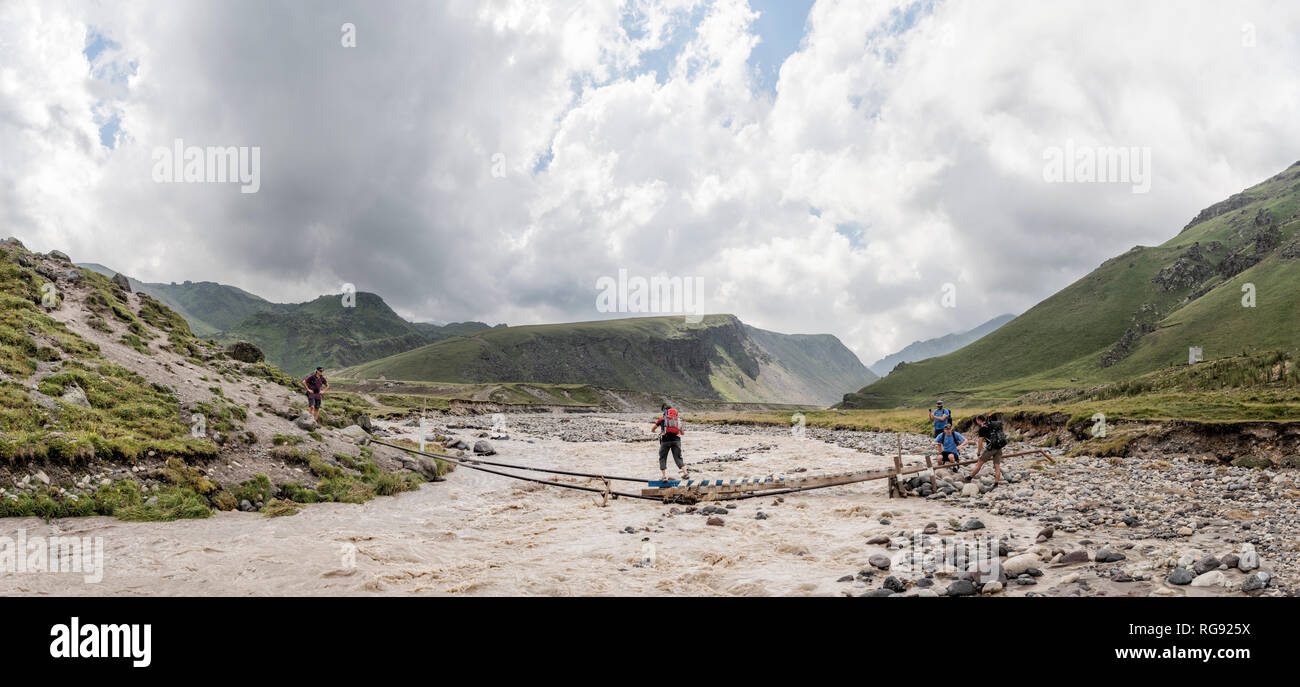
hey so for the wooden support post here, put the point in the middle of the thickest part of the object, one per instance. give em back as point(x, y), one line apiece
point(895, 484)
point(928, 464)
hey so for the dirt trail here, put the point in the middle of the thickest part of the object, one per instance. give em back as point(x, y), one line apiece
point(482, 534)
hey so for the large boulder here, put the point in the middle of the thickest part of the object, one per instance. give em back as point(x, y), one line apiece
point(306, 422)
point(426, 467)
point(363, 421)
point(122, 282)
point(484, 448)
point(244, 352)
point(354, 434)
point(74, 395)
point(60, 256)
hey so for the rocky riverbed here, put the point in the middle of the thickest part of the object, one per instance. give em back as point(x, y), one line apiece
point(1078, 527)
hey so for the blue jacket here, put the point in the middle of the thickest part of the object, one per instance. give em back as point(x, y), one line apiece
point(947, 417)
point(949, 443)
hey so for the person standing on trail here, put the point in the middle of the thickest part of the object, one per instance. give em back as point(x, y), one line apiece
point(942, 418)
point(670, 440)
point(992, 439)
point(316, 386)
point(950, 444)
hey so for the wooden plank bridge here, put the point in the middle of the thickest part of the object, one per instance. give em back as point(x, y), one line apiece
point(693, 491)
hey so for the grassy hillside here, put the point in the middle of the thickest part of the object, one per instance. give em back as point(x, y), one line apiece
point(112, 406)
point(296, 337)
point(718, 358)
point(299, 337)
point(1136, 313)
point(208, 307)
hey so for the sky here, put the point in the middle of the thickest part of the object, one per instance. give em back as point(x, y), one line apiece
point(876, 170)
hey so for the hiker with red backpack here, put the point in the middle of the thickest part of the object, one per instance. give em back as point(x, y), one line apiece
point(670, 440)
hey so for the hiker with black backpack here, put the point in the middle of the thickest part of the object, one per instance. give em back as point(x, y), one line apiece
point(992, 439)
point(670, 440)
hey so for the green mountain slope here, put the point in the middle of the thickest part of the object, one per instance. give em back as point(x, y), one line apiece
point(299, 337)
point(718, 358)
point(1136, 313)
point(296, 336)
point(207, 306)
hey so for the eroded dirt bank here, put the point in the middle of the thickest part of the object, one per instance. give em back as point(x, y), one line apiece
point(482, 534)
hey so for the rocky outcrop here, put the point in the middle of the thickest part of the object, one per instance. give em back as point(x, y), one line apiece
point(244, 352)
point(1191, 268)
point(1223, 207)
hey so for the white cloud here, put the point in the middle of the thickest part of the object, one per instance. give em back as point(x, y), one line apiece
point(925, 126)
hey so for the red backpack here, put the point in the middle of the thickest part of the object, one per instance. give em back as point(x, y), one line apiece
point(672, 424)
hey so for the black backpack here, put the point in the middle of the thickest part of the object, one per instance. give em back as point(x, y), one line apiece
point(996, 435)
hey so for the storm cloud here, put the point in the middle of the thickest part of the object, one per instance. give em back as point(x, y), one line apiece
point(493, 160)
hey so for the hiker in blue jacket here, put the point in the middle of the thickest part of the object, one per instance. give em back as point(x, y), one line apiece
point(950, 444)
point(942, 418)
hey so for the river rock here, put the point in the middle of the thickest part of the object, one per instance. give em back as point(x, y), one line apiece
point(878, 540)
point(1249, 559)
point(1019, 564)
point(961, 588)
point(1179, 576)
point(306, 422)
point(716, 522)
point(991, 588)
point(894, 584)
point(1108, 556)
point(880, 561)
point(1252, 583)
point(483, 447)
point(876, 593)
point(1206, 565)
point(1214, 578)
point(1073, 557)
point(970, 489)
